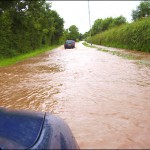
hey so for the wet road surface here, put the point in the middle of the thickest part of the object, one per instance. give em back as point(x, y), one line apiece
point(105, 99)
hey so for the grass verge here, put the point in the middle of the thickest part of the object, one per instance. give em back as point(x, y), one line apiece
point(121, 54)
point(125, 56)
point(86, 44)
point(143, 62)
point(10, 61)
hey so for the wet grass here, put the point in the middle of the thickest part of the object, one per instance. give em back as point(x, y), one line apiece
point(121, 54)
point(86, 44)
point(117, 53)
point(10, 61)
point(143, 62)
point(127, 56)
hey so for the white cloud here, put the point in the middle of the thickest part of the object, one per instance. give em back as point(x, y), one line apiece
point(76, 12)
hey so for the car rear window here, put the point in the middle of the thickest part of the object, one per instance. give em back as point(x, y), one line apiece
point(69, 42)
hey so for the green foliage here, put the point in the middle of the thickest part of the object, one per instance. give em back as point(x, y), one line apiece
point(143, 10)
point(86, 44)
point(6, 35)
point(14, 60)
point(135, 36)
point(119, 21)
point(117, 53)
point(73, 33)
point(86, 35)
point(97, 27)
point(26, 25)
point(101, 25)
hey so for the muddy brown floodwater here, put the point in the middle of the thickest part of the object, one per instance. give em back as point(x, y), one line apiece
point(105, 99)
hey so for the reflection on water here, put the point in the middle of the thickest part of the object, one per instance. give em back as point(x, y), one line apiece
point(103, 98)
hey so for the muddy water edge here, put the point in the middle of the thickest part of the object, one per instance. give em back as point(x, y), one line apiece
point(105, 99)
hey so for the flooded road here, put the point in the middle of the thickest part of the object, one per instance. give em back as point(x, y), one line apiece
point(105, 99)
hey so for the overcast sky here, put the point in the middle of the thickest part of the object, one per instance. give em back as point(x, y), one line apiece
point(76, 12)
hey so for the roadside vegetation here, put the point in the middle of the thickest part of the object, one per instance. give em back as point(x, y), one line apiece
point(129, 55)
point(117, 32)
point(134, 36)
point(117, 53)
point(13, 60)
point(86, 44)
point(72, 33)
point(26, 26)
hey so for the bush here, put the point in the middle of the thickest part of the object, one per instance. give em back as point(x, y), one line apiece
point(134, 36)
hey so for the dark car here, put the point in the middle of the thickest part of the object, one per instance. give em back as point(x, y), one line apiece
point(69, 44)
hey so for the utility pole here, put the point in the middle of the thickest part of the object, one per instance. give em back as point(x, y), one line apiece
point(89, 21)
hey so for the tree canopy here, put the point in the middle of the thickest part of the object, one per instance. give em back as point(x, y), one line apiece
point(142, 11)
point(101, 25)
point(27, 25)
point(73, 33)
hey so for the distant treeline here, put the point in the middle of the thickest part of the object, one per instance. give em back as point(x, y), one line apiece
point(117, 32)
point(26, 25)
point(101, 25)
point(135, 36)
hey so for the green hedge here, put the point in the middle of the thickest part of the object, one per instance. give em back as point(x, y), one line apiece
point(26, 26)
point(134, 36)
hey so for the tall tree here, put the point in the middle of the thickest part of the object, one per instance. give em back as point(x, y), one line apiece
point(143, 10)
point(107, 23)
point(27, 25)
point(119, 20)
point(73, 32)
point(101, 25)
point(97, 27)
point(58, 26)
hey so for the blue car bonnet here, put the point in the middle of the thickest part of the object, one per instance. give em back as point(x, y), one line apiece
point(34, 130)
